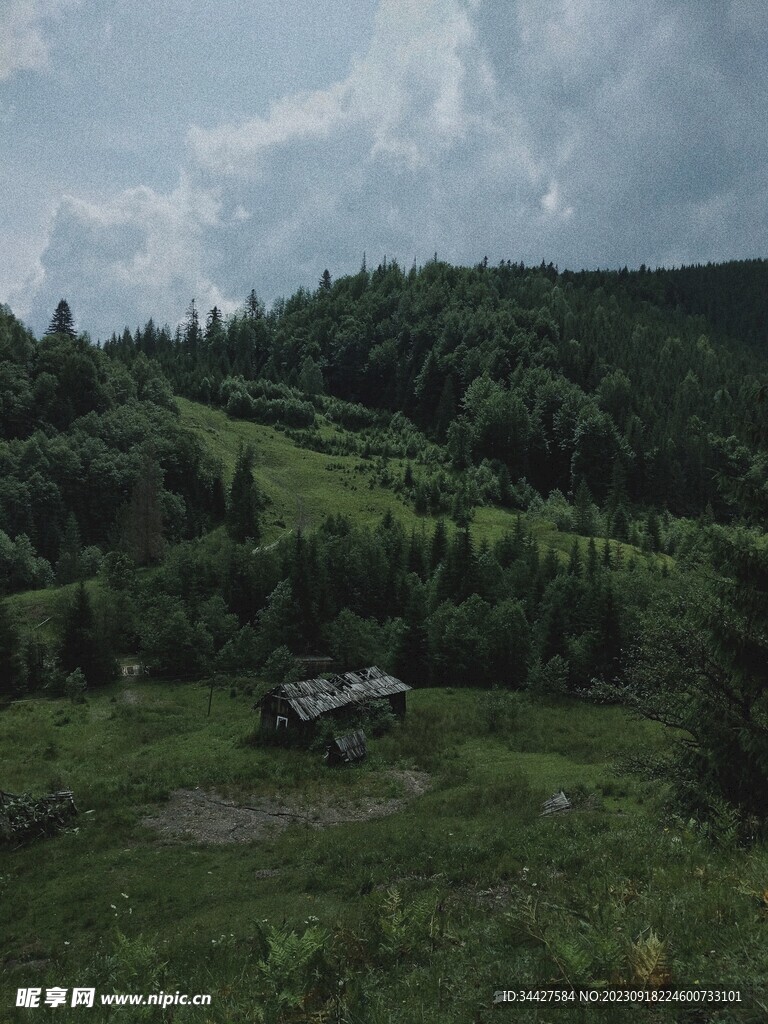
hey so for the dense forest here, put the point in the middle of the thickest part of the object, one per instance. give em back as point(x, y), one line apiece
point(628, 409)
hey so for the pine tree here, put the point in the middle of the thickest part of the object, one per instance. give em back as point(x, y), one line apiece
point(583, 513)
point(439, 547)
point(653, 530)
point(82, 646)
point(701, 667)
point(62, 322)
point(446, 409)
point(574, 561)
point(592, 559)
point(412, 662)
point(609, 633)
point(607, 561)
point(192, 332)
point(244, 501)
point(416, 562)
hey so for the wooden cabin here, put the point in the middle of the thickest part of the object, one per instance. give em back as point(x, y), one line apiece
point(298, 706)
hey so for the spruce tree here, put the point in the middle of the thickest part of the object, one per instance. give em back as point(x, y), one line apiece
point(439, 546)
point(583, 512)
point(574, 560)
point(244, 502)
point(701, 667)
point(62, 321)
point(82, 646)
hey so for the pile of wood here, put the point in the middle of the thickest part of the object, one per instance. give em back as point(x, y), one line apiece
point(24, 817)
point(556, 804)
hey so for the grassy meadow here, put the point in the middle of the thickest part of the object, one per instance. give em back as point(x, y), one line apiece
point(416, 916)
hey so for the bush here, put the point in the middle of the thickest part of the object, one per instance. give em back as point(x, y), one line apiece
point(499, 711)
point(550, 679)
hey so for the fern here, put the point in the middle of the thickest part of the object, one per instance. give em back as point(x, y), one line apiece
point(608, 957)
point(572, 957)
point(582, 953)
point(648, 960)
point(724, 822)
point(404, 926)
point(287, 972)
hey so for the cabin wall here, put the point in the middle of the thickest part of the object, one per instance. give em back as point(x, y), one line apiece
point(277, 714)
point(397, 703)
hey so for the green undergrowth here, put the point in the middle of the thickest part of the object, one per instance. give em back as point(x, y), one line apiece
point(416, 916)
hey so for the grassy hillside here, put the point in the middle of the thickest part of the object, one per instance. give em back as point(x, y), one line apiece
point(304, 486)
point(441, 884)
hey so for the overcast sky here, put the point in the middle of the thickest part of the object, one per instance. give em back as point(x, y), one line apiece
point(155, 151)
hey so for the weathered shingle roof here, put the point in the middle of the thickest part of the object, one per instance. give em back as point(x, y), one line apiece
point(313, 697)
point(351, 747)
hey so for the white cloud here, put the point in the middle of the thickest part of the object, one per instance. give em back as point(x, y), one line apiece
point(579, 131)
point(552, 203)
point(23, 45)
point(137, 255)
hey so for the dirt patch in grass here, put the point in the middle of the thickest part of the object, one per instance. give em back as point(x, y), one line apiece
point(204, 816)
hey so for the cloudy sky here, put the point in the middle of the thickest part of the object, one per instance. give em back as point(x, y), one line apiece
point(155, 151)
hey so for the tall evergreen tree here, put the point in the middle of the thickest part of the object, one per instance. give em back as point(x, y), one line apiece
point(82, 645)
point(62, 321)
point(701, 667)
point(192, 332)
point(583, 518)
point(439, 546)
point(244, 501)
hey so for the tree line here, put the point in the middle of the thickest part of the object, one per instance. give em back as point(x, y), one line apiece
point(557, 377)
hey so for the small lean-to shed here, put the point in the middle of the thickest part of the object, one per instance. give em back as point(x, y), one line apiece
point(297, 706)
point(347, 749)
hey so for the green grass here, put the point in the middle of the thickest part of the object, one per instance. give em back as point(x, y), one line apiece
point(304, 486)
point(463, 890)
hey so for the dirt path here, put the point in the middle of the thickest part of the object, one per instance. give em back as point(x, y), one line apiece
point(204, 816)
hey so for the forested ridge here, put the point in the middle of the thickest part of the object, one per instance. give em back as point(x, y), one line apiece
point(625, 409)
point(557, 377)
